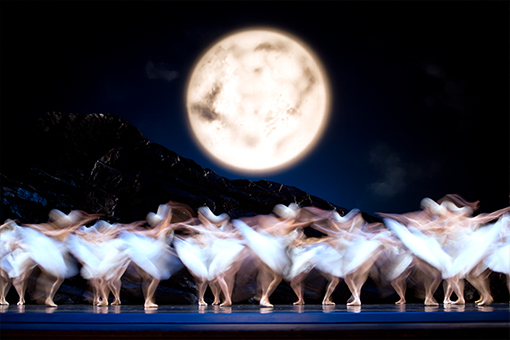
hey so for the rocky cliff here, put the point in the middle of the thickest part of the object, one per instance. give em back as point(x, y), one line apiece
point(102, 164)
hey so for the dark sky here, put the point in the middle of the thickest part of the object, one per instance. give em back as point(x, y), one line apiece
point(420, 90)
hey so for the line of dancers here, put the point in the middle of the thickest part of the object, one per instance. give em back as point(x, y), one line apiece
point(441, 242)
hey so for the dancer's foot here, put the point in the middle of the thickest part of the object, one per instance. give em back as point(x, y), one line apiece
point(102, 303)
point(460, 301)
point(401, 302)
point(485, 302)
point(150, 304)
point(226, 303)
point(265, 302)
point(49, 302)
point(431, 302)
point(355, 302)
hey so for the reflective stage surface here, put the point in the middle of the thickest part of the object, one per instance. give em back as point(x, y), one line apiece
point(253, 321)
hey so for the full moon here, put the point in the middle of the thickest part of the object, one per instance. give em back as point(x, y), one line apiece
point(257, 101)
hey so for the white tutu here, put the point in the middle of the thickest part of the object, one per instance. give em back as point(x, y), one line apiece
point(152, 255)
point(194, 255)
point(50, 254)
point(270, 249)
point(224, 253)
point(304, 258)
point(424, 247)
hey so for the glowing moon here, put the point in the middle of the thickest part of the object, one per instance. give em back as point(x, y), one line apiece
point(257, 100)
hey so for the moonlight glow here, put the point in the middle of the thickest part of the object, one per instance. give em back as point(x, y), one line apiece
point(257, 100)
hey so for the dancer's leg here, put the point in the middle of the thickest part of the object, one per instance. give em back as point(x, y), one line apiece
point(355, 299)
point(225, 289)
point(277, 278)
point(481, 284)
point(297, 285)
point(399, 284)
point(105, 292)
point(458, 288)
point(5, 284)
point(53, 290)
point(448, 290)
point(216, 290)
point(151, 289)
point(333, 282)
point(115, 285)
point(20, 284)
point(201, 287)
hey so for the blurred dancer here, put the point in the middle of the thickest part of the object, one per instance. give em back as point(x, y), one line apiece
point(395, 262)
point(45, 244)
point(103, 257)
point(269, 238)
point(16, 265)
point(499, 260)
point(149, 250)
point(211, 253)
point(349, 255)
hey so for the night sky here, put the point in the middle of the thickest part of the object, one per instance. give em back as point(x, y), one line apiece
point(420, 90)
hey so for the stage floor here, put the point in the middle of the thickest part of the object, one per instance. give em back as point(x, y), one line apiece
point(253, 321)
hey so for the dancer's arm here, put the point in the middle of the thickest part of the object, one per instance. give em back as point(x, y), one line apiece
point(486, 218)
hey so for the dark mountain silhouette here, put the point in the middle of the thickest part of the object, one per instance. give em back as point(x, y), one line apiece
point(102, 164)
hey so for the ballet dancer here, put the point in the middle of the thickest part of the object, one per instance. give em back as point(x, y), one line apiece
point(45, 243)
point(269, 237)
point(499, 259)
point(150, 252)
point(212, 252)
point(350, 254)
point(16, 264)
point(103, 257)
